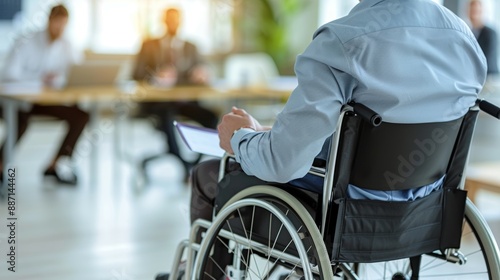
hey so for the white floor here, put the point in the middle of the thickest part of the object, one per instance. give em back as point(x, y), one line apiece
point(110, 230)
point(113, 229)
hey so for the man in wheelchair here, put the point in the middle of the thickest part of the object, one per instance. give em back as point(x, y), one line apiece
point(412, 62)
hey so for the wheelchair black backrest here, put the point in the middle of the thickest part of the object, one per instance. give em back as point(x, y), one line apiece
point(397, 157)
point(401, 156)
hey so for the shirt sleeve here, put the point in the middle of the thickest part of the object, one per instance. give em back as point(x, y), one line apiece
point(13, 68)
point(140, 68)
point(310, 116)
point(72, 56)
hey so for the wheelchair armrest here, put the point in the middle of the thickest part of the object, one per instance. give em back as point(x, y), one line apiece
point(368, 114)
point(223, 163)
point(489, 108)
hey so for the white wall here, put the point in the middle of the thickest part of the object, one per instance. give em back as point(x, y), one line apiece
point(113, 26)
point(35, 12)
point(330, 10)
point(301, 28)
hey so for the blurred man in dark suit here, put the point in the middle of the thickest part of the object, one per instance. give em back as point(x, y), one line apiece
point(170, 61)
point(485, 35)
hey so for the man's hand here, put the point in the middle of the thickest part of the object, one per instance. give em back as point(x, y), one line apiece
point(199, 75)
point(166, 77)
point(49, 79)
point(235, 120)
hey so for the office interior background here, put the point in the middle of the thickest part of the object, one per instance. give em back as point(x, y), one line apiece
point(124, 222)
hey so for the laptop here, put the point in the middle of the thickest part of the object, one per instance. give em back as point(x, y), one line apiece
point(93, 74)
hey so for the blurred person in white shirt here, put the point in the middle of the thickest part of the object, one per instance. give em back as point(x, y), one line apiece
point(45, 57)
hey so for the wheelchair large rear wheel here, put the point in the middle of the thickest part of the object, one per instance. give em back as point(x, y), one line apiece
point(478, 257)
point(270, 236)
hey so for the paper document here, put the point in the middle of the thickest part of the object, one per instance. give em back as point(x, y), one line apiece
point(200, 139)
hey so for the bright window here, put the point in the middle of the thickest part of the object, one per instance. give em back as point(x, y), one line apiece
point(119, 26)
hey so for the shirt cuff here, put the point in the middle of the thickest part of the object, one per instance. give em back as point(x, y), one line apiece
point(236, 139)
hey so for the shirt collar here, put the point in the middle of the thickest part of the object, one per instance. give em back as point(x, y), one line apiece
point(46, 38)
point(365, 4)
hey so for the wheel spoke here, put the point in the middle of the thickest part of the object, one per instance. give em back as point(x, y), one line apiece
point(282, 252)
point(218, 266)
point(251, 233)
point(249, 248)
point(424, 267)
point(249, 239)
point(455, 274)
point(211, 277)
point(275, 240)
point(296, 264)
point(234, 238)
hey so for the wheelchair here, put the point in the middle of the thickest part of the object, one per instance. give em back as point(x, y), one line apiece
point(271, 231)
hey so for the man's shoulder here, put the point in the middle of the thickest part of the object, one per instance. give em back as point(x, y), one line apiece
point(29, 38)
point(388, 15)
point(342, 29)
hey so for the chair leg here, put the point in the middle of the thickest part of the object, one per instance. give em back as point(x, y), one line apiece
point(415, 267)
point(145, 161)
point(187, 165)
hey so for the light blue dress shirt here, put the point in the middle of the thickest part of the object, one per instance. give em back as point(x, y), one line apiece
point(412, 61)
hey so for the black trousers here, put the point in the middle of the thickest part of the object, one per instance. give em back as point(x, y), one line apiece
point(203, 193)
point(204, 180)
point(76, 119)
point(168, 111)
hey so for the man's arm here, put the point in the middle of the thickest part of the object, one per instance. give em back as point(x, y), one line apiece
point(287, 151)
point(141, 64)
point(13, 68)
point(69, 57)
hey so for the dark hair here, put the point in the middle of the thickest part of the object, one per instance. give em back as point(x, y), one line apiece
point(172, 9)
point(58, 11)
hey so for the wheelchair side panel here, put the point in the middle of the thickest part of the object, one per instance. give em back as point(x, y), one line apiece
point(374, 231)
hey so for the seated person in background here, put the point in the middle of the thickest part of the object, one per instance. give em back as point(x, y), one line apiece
point(422, 65)
point(46, 56)
point(170, 61)
point(485, 35)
